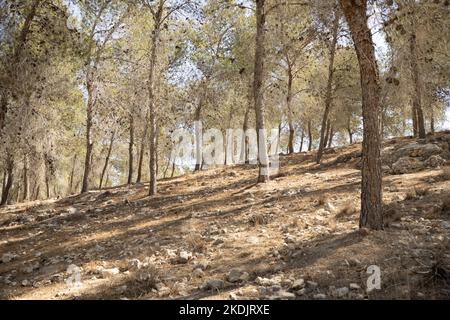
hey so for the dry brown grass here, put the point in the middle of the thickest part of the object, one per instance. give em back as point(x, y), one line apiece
point(143, 281)
point(445, 174)
point(195, 242)
point(348, 209)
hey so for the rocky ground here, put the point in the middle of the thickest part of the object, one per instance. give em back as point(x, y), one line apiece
point(218, 235)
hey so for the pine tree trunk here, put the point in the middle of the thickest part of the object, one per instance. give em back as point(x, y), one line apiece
point(417, 97)
point(3, 110)
point(289, 109)
point(198, 131)
point(130, 151)
point(89, 143)
point(9, 180)
point(245, 147)
point(72, 172)
point(329, 89)
point(141, 154)
point(330, 139)
point(371, 185)
point(152, 107)
point(302, 140)
point(108, 155)
point(263, 158)
point(310, 138)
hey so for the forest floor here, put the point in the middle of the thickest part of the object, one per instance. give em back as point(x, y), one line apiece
point(218, 235)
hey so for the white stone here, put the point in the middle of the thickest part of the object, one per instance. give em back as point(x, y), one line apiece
point(299, 283)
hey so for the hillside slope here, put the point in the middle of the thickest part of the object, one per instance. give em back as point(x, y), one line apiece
point(216, 234)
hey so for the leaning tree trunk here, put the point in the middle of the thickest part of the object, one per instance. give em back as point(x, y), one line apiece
point(263, 157)
point(329, 90)
point(108, 155)
point(417, 97)
point(310, 138)
point(130, 151)
point(371, 191)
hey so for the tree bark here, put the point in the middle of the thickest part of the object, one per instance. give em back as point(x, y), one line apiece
point(263, 158)
point(89, 143)
point(329, 89)
point(289, 108)
point(310, 138)
point(417, 97)
point(330, 138)
point(371, 185)
point(157, 16)
point(198, 131)
point(244, 147)
point(141, 154)
point(130, 151)
point(72, 172)
point(3, 110)
point(302, 140)
point(108, 155)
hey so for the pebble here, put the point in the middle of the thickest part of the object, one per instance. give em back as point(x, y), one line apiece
point(299, 283)
point(234, 275)
point(285, 295)
point(184, 256)
point(213, 284)
point(354, 286)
